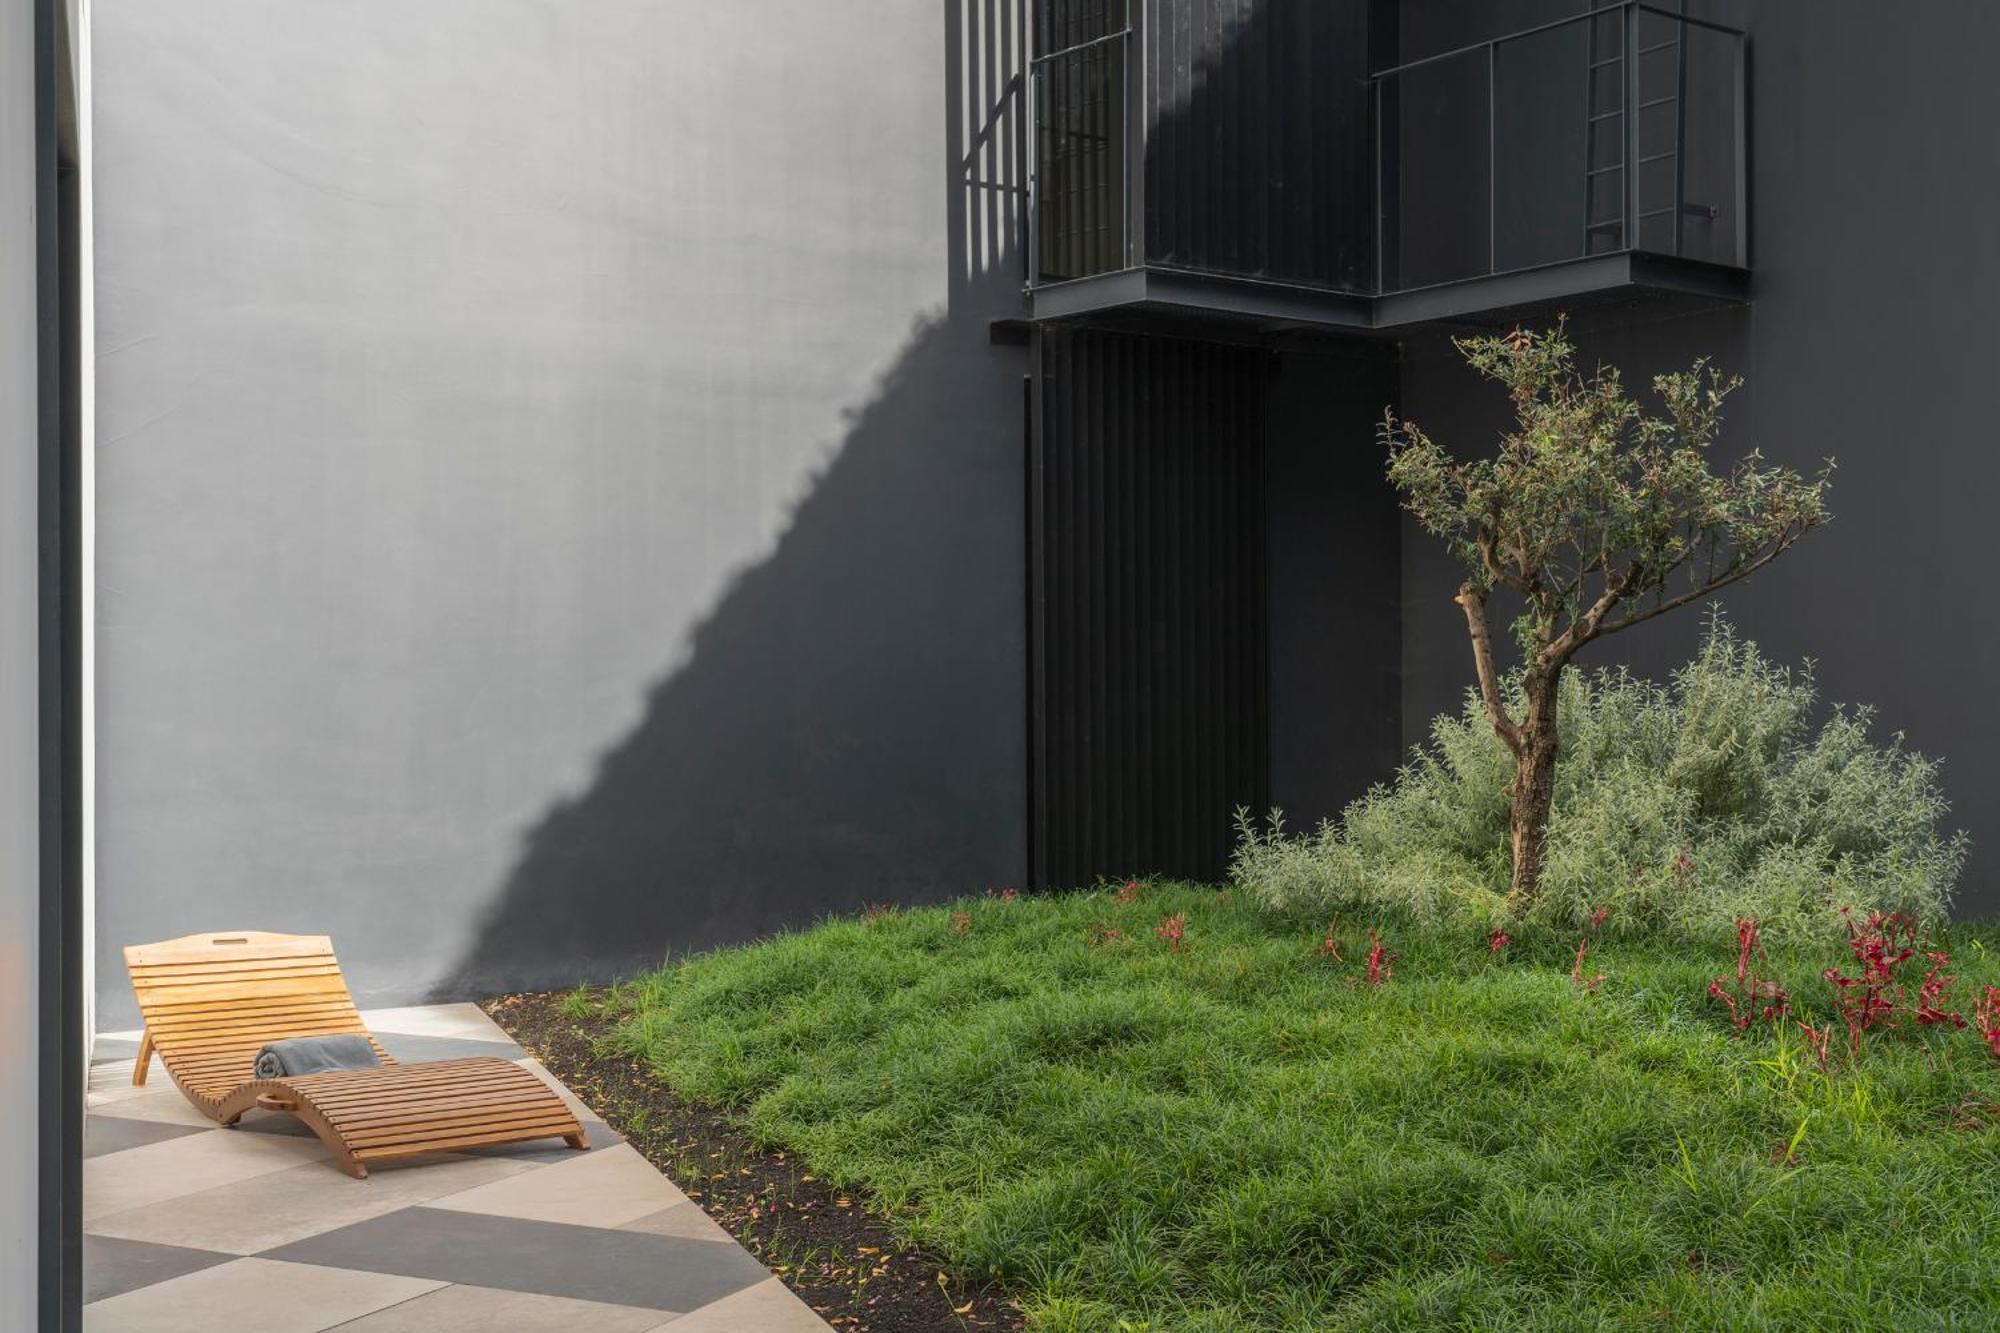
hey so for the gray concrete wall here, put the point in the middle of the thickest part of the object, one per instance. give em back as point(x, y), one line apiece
point(557, 501)
point(20, 875)
point(1871, 338)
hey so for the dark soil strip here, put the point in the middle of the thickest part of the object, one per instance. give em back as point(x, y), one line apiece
point(841, 1260)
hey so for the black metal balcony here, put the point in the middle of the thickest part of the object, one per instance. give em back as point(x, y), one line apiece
point(1601, 155)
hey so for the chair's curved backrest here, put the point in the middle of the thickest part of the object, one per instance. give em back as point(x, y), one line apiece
point(212, 1001)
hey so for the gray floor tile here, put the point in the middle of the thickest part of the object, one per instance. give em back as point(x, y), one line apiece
point(110, 1133)
point(112, 1266)
point(550, 1258)
point(487, 1310)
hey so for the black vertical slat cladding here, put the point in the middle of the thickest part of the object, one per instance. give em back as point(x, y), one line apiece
point(1148, 685)
point(1258, 156)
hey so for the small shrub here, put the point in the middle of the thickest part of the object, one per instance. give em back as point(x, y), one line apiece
point(1172, 931)
point(1752, 996)
point(1986, 1013)
point(1873, 1001)
point(1688, 806)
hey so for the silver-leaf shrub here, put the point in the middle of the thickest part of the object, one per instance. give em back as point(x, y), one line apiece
point(1682, 806)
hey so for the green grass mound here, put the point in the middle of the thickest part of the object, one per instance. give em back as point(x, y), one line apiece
point(1247, 1136)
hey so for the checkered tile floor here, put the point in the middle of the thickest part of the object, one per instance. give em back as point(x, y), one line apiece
point(190, 1226)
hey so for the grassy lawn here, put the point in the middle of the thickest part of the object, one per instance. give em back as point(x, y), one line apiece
point(1248, 1136)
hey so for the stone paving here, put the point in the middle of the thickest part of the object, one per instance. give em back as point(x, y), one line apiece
point(190, 1226)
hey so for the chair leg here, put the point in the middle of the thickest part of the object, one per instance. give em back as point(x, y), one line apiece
point(578, 1140)
point(145, 1057)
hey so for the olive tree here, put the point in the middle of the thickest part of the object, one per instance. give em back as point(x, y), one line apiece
point(1595, 515)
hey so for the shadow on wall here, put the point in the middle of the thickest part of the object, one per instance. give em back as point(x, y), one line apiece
point(849, 724)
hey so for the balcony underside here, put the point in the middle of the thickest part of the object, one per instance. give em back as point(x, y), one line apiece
point(1161, 296)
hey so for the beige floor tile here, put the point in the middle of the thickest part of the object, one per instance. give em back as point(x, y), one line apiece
point(266, 1211)
point(253, 1293)
point(570, 1099)
point(120, 1181)
point(768, 1307)
point(685, 1220)
point(111, 1085)
point(467, 1022)
point(487, 1310)
point(606, 1187)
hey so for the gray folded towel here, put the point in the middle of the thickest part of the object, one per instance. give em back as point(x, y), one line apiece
point(315, 1055)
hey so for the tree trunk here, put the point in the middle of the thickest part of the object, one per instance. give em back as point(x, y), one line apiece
point(1534, 789)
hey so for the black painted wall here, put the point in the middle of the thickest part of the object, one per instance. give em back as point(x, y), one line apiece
point(1335, 626)
point(1870, 337)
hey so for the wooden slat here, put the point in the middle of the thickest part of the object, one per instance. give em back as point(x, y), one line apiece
point(229, 944)
point(482, 1120)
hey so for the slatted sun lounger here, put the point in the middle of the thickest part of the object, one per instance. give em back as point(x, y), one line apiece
point(211, 1002)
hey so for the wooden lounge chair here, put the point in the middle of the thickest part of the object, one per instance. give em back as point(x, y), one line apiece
point(211, 1002)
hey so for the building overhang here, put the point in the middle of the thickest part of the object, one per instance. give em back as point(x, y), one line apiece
point(1154, 295)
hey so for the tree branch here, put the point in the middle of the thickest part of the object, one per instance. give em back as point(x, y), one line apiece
point(1707, 587)
point(1585, 627)
point(1483, 539)
point(1473, 599)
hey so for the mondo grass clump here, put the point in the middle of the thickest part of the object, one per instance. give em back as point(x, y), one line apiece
point(1166, 1107)
point(1688, 806)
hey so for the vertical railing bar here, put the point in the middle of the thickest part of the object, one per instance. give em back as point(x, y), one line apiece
point(1630, 228)
point(1135, 134)
point(1492, 157)
point(1381, 194)
point(1034, 169)
point(1680, 132)
point(1741, 203)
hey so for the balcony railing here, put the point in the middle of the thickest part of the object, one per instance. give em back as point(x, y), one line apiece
point(1620, 129)
point(1082, 189)
point(1615, 131)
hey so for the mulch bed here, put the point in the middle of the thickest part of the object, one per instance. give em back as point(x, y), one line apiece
point(842, 1261)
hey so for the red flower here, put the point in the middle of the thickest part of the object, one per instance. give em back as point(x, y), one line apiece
point(1576, 977)
point(1173, 930)
point(1931, 997)
point(1330, 946)
point(1380, 965)
point(1743, 997)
